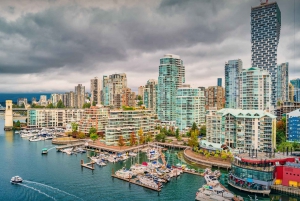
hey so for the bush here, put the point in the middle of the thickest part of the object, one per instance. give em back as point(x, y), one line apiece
point(216, 155)
point(224, 156)
point(80, 135)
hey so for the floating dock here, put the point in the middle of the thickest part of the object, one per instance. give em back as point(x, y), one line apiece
point(134, 181)
point(194, 173)
point(286, 189)
point(88, 165)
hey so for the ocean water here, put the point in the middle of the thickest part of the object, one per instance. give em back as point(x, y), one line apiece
point(57, 176)
point(14, 96)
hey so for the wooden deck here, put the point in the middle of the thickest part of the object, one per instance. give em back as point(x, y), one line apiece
point(134, 181)
point(58, 148)
point(286, 189)
point(178, 146)
point(89, 165)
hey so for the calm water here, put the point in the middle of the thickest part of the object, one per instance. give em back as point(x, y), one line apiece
point(14, 96)
point(58, 176)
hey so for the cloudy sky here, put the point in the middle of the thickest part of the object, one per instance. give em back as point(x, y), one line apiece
point(51, 46)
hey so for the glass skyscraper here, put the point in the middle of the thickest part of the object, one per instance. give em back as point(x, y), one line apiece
point(171, 76)
point(265, 33)
point(296, 84)
point(233, 68)
point(219, 82)
point(283, 82)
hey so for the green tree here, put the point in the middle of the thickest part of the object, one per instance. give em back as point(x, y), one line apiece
point(203, 130)
point(141, 136)
point(92, 131)
point(86, 105)
point(81, 135)
point(132, 140)
point(194, 127)
point(140, 103)
point(193, 141)
point(94, 103)
point(281, 131)
point(94, 137)
point(50, 105)
point(60, 104)
point(177, 134)
point(139, 97)
point(74, 126)
point(149, 137)
point(121, 141)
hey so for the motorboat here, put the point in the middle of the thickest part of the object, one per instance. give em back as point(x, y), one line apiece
point(16, 179)
point(68, 151)
point(49, 137)
point(44, 151)
point(35, 139)
point(17, 132)
point(213, 193)
point(123, 173)
point(132, 154)
point(148, 182)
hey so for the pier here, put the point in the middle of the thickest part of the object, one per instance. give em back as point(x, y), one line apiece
point(134, 181)
point(98, 147)
point(58, 148)
point(286, 189)
point(89, 165)
point(171, 145)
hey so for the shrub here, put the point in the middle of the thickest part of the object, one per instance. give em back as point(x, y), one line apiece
point(80, 135)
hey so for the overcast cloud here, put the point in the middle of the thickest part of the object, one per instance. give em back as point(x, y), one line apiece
point(53, 45)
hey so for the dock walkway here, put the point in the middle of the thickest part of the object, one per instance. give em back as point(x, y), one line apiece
point(134, 181)
point(109, 149)
point(58, 148)
point(286, 189)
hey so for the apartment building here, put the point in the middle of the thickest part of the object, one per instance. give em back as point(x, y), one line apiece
point(214, 97)
point(150, 95)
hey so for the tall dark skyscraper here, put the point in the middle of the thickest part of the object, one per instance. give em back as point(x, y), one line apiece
point(219, 82)
point(265, 33)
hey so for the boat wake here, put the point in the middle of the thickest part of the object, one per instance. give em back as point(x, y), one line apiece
point(37, 190)
point(51, 148)
point(53, 188)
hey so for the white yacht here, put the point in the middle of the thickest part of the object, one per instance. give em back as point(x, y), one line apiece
point(16, 179)
point(213, 193)
point(132, 154)
point(35, 139)
point(148, 182)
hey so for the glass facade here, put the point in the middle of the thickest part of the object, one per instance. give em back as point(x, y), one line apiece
point(265, 33)
point(244, 173)
point(293, 126)
point(296, 85)
point(232, 72)
point(171, 76)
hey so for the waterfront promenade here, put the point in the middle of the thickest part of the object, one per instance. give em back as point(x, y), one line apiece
point(190, 156)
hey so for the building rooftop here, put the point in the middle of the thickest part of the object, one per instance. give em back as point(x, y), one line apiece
point(245, 113)
point(263, 156)
point(295, 113)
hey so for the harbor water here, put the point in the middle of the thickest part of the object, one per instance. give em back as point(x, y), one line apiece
point(58, 176)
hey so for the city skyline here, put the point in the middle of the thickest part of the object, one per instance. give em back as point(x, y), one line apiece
point(56, 45)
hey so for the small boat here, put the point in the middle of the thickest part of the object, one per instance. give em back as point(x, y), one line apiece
point(132, 154)
point(35, 139)
point(49, 137)
point(16, 179)
point(17, 132)
point(44, 151)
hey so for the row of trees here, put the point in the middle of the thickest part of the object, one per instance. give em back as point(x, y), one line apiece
point(224, 155)
point(133, 140)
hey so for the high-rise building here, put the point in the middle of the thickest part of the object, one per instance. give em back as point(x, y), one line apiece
point(283, 82)
point(255, 91)
point(233, 68)
point(150, 94)
point(293, 126)
point(291, 92)
point(112, 89)
point(171, 76)
point(265, 33)
point(283, 108)
point(71, 99)
point(55, 98)
point(141, 91)
point(214, 97)
point(190, 107)
point(219, 82)
point(43, 100)
point(79, 96)
point(66, 98)
point(296, 84)
point(241, 129)
point(22, 101)
point(95, 91)
point(128, 97)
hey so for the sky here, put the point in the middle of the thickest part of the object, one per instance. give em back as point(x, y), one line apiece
point(52, 45)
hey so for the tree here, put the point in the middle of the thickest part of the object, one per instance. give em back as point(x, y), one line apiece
point(140, 103)
point(203, 130)
point(139, 97)
point(81, 135)
point(92, 131)
point(121, 141)
point(177, 134)
point(94, 103)
point(60, 104)
point(194, 127)
point(132, 140)
point(94, 137)
point(74, 126)
point(141, 136)
point(149, 137)
point(50, 105)
point(86, 105)
point(281, 131)
point(193, 141)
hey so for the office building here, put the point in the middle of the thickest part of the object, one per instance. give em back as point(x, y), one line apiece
point(95, 91)
point(293, 126)
point(283, 82)
point(79, 96)
point(125, 122)
point(150, 95)
point(214, 97)
point(296, 85)
point(241, 129)
point(233, 68)
point(190, 107)
point(171, 76)
point(255, 89)
point(265, 33)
